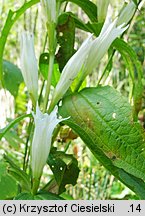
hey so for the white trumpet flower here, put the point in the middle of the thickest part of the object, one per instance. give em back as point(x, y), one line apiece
point(126, 13)
point(41, 143)
point(71, 69)
point(87, 57)
point(29, 66)
point(49, 8)
point(101, 44)
point(102, 7)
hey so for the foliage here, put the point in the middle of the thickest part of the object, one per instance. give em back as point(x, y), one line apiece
point(62, 166)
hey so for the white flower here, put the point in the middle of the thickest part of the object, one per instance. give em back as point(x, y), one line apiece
point(29, 64)
point(49, 8)
point(87, 57)
point(126, 13)
point(44, 127)
point(71, 69)
point(102, 7)
point(101, 44)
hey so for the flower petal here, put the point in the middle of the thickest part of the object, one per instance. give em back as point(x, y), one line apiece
point(29, 64)
point(44, 127)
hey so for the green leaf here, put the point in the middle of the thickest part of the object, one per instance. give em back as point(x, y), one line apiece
point(19, 175)
point(103, 119)
point(64, 167)
point(47, 196)
point(93, 27)
point(135, 70)
point(12, 77)
point(79, 23)
point(39, 196)
point(8, 186)
point(65, 38)
point(88, 7)
point(66, 196)
point(44, 64)
point(24, 196)
point(135, 2)
point(11, 124)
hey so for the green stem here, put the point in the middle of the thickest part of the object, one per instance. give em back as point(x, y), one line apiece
point(35, 187)
point(28, 159)
point(26, 145)
point(51, 62)
point(40, 95)
point(90, 182)
point(78, 85)
point(106, 67)
point(67, 146)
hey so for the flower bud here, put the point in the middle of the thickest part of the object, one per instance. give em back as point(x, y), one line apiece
point(126, 14)
point(29, 65)
point(101, 44)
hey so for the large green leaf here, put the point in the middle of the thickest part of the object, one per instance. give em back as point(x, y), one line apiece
point(64, 167)
point(103, 119)
point(39, 196)
point(12, 77)
point(8, 186)
point(66, 38)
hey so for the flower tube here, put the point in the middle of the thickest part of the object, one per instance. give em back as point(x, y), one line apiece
point(101, 44)
point(71, 70)
point(126, 13)
point(41, 143)
point(29, 66)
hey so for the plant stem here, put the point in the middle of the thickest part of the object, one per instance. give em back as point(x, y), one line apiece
point(106, 67)
point(78, 85)
point(51, 62)
point(35, 186)
point(90, 182)
point(26, 145)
